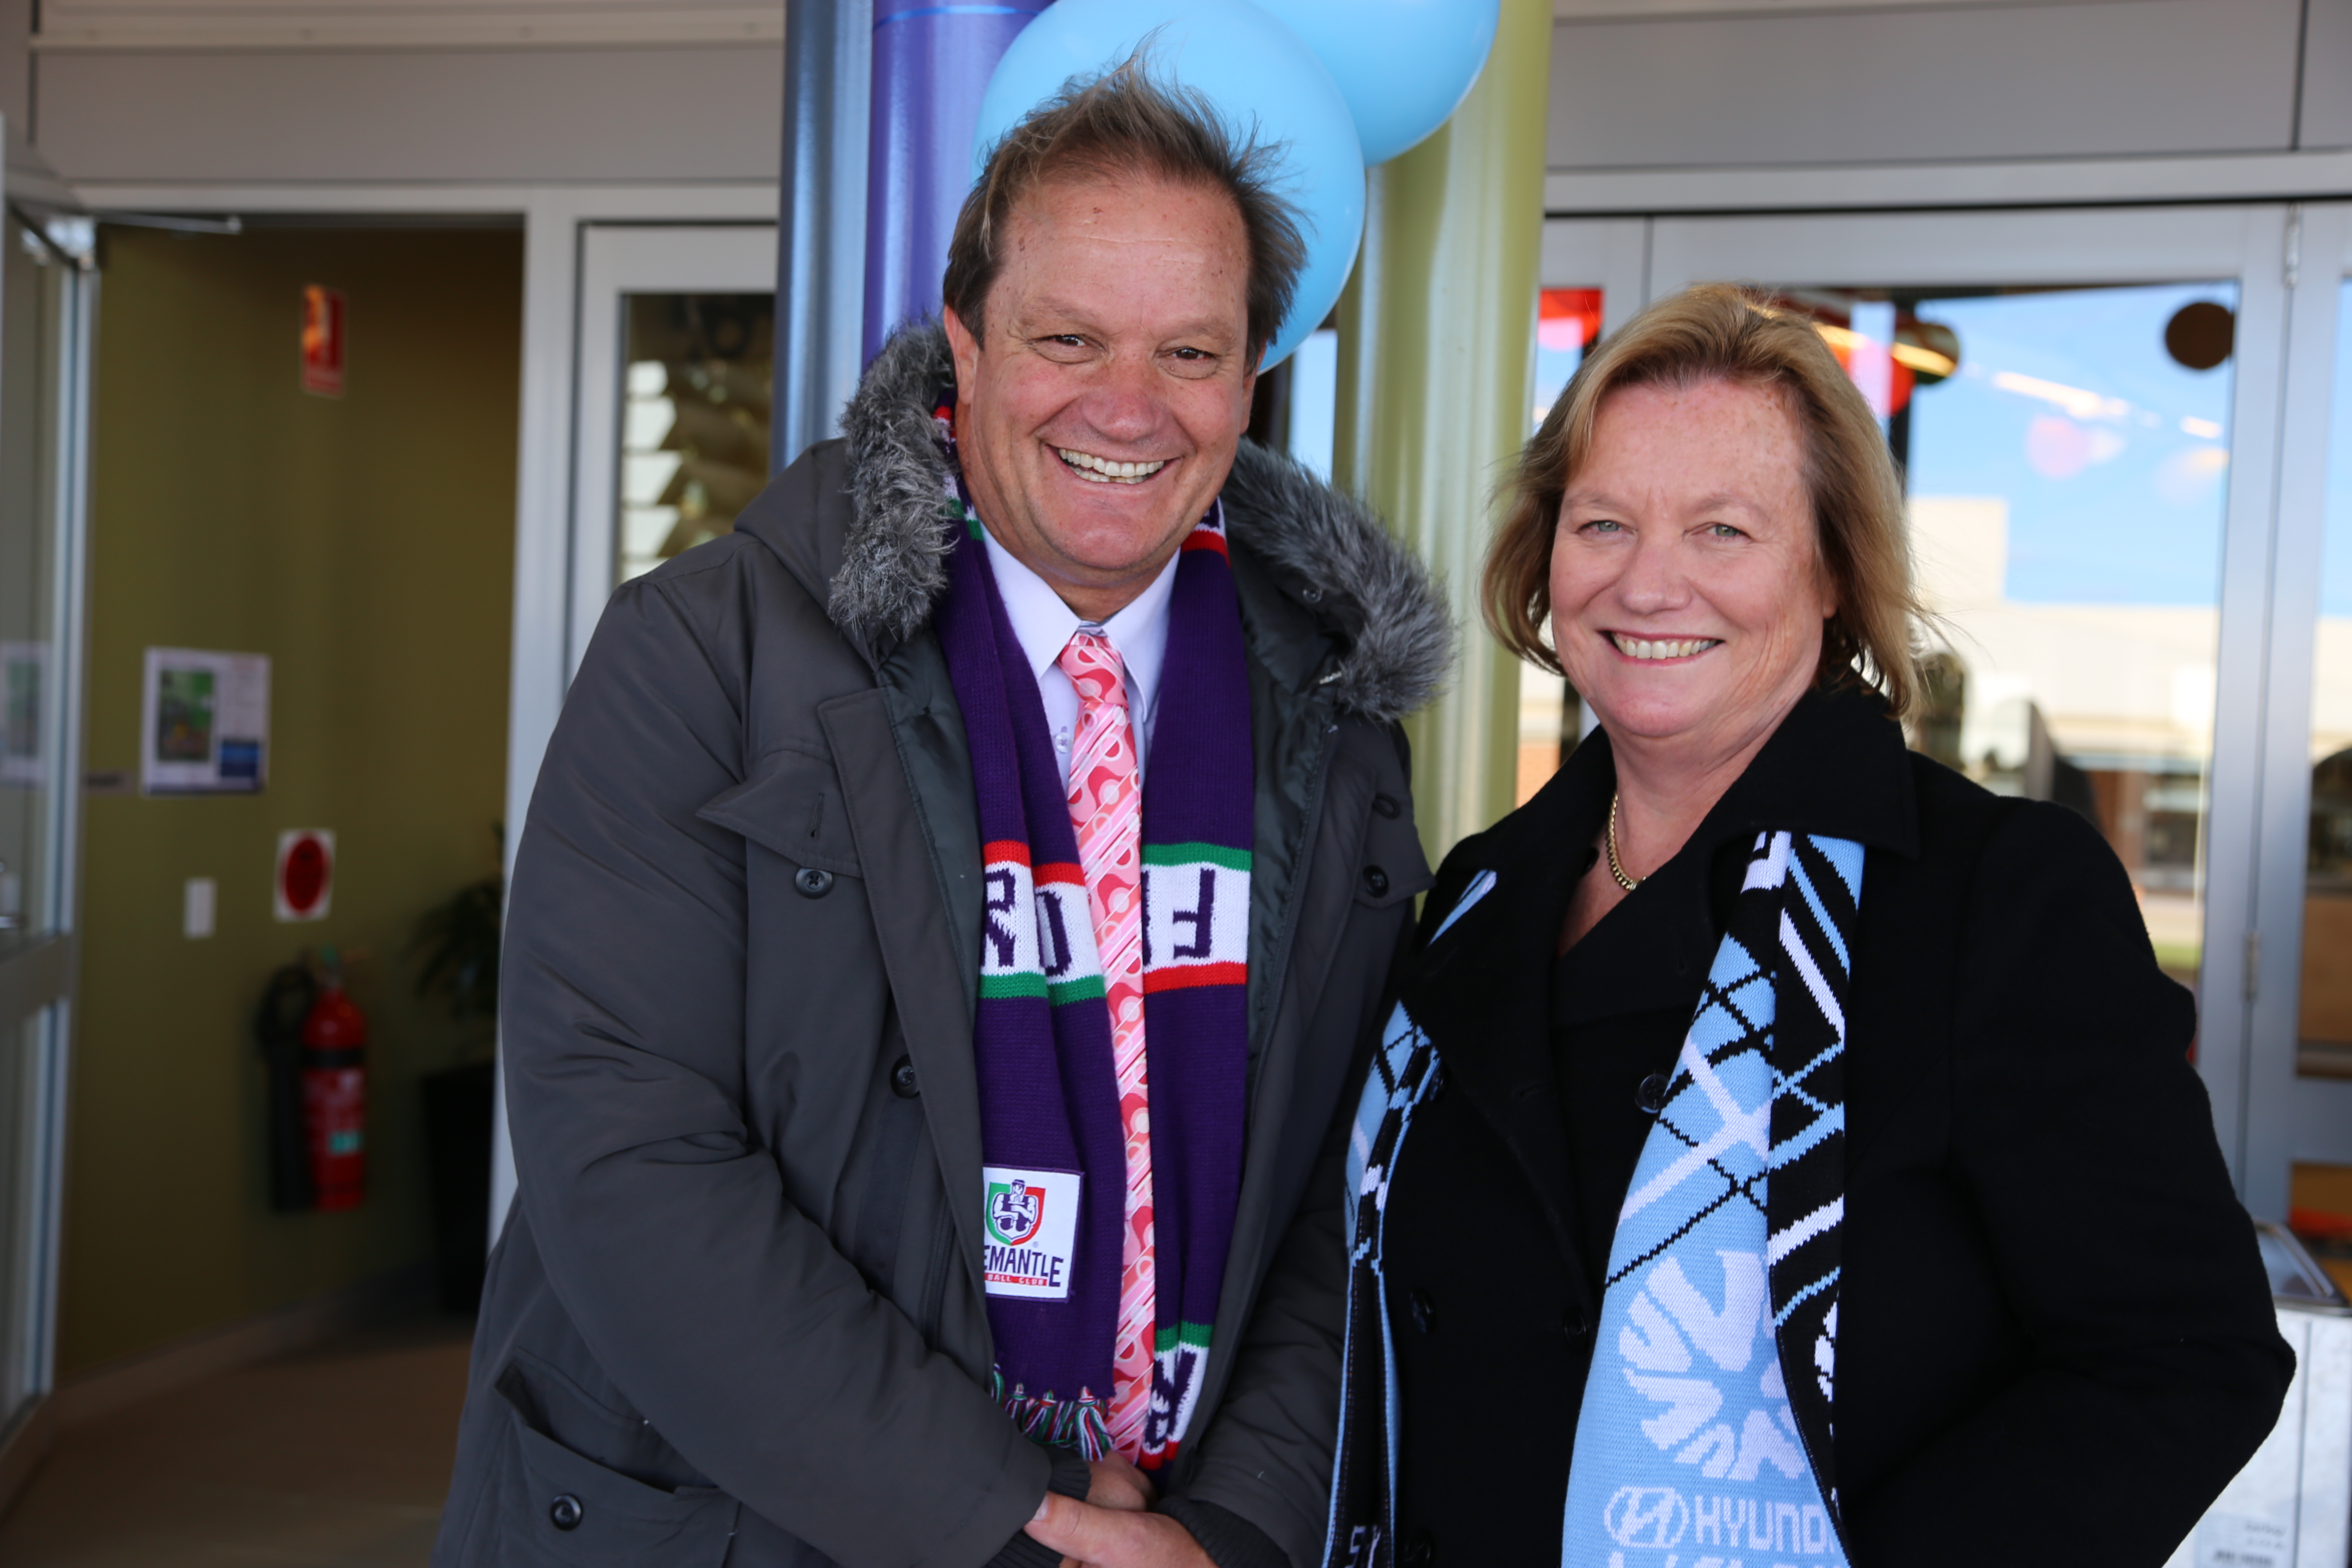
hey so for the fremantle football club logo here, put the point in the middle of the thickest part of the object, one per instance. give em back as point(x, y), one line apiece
point(1016, 1211)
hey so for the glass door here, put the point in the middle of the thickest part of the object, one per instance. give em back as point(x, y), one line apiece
point(45, 296)
point(2086, 407)
point(677, 360)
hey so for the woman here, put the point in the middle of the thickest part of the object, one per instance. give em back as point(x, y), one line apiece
point(1996, 1302)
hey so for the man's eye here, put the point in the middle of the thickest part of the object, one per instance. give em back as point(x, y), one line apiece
point(1723, 530)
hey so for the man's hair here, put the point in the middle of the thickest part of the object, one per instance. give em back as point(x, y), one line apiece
point(1718, 333)
point(1123, 123)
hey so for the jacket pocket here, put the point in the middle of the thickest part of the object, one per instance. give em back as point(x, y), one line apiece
point(792, 803)
point(555, 1506)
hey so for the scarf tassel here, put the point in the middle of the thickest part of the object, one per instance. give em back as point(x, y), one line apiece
point(1082, 1424)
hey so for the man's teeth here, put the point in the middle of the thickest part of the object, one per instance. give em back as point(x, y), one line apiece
point(1647, 647)
point(1103, 471)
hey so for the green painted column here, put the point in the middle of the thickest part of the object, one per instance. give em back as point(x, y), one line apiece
point(1437, 385)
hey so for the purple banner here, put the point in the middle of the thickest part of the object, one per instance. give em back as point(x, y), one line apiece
point(931, 64)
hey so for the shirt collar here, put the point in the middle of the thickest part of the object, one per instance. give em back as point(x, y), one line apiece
point(1044, 624)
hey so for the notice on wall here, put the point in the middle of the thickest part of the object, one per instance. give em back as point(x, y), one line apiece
point(305, 885)
point(205, 724)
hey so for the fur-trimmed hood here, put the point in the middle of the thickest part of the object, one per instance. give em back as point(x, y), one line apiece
point(1328, 552)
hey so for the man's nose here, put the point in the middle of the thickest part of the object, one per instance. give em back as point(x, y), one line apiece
point(1125, 401)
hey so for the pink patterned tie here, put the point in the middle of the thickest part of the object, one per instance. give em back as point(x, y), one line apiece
point(1107, 810)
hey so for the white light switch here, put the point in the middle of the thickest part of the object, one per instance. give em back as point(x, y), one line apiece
point(196, 909)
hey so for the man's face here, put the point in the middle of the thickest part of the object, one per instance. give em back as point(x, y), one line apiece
point(1099, 418)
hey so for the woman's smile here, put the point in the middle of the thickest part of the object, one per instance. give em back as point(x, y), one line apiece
point(1655, 649)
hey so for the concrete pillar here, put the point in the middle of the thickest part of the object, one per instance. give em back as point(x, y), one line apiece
point(1437, 384)
point(931, 63)
point(820, 222)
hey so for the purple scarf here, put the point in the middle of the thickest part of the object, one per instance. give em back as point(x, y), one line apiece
point(1050, 1137)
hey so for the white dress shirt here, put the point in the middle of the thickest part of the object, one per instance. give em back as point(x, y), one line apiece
point(1044, 624)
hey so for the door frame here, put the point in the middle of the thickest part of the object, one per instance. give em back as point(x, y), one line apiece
point(37, 980)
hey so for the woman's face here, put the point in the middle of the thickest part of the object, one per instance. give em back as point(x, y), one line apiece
point(1686, 589)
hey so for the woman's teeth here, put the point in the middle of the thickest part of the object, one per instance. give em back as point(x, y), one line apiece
point(1646, 648)
point(1103, 471)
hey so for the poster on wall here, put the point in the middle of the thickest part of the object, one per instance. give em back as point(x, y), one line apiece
point(205, 722)
point(23, 670)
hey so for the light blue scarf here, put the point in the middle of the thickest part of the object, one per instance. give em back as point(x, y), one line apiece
point(1689, 1450)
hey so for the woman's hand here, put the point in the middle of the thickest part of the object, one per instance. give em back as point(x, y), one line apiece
point(1091, 1536)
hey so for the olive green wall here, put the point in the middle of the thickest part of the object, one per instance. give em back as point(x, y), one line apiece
point(366, 544)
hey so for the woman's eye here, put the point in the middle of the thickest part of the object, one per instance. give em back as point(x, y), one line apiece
point(1604, 525)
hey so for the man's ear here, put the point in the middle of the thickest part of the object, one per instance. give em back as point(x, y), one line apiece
point(962, 344)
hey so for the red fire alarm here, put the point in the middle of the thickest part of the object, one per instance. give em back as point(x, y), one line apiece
point(306, 874)
point(322, 341)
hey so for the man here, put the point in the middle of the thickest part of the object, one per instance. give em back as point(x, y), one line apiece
point(951, 908)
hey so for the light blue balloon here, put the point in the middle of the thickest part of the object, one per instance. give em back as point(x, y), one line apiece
point(1405, 65)
point(1256, 71)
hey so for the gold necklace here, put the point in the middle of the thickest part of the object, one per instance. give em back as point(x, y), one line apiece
point(1615, 870)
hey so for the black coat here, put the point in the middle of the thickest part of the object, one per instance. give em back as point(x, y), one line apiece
point(737, 1312)
point(2056, 1342)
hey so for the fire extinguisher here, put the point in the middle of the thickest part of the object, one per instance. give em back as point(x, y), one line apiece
point(334, 1091)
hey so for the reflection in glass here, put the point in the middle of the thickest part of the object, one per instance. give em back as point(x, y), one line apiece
point(23, 1043)
point(699, 369)
point(2066, 455)
point(2325, 1032)
point(1568, 320)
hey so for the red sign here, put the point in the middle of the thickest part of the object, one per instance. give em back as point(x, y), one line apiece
point(322, 341)
point(306, 874)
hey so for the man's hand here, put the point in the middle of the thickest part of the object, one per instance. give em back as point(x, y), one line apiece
point(1116, 1483)
point(1094, 1537)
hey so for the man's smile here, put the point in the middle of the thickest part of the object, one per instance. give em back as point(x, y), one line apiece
point(1106, 470)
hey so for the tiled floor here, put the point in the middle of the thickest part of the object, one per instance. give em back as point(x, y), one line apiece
point(335, 1459)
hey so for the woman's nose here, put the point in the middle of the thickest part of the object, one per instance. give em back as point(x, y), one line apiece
point(1653, 580)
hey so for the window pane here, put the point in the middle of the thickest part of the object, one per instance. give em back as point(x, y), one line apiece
point(2066, 452)
point(698, 374)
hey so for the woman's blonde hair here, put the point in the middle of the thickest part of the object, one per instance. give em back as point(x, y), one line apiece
point(1716, 332)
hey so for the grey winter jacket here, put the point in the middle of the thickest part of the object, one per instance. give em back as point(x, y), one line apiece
point(736, 1314)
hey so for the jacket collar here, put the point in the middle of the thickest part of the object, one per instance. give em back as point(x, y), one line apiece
point(1351, 590)
point(1837, 766)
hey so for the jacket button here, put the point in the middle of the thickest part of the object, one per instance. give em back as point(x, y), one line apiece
point(1376, 881)
point(813, 883)
point(903, 1082)
point(1385, 805)
point(567, 1512)
point(1423, 1310)
point(1572, 1324)
point(1652, 1096)
point(1414, 1551)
